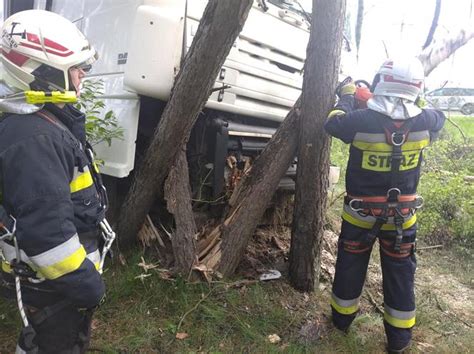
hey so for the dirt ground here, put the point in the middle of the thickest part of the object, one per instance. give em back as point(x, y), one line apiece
point(444, 287)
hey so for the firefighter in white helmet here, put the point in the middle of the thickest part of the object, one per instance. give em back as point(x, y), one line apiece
point(52, 195)
point(387, 139)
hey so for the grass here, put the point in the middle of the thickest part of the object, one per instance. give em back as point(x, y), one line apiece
point(145, 316)
point(466, 123)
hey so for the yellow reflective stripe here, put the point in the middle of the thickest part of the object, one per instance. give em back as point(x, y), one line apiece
point(81, 182)
point(6, 267)
point(399, 323)
point(61, 259)
point(335, 112)
point(349, 310)
point(67, 265)
point(409, 145)
point(368, 225)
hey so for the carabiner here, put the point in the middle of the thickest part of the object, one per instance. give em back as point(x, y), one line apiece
point(352, 207)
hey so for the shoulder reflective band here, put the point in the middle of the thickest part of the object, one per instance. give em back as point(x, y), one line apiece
point(38, 97)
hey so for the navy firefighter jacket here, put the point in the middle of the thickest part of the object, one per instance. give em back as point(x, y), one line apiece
point(48, 186)
point(369, 166)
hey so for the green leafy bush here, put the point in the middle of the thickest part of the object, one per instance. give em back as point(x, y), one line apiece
point(99, 127)
point(447, 213)
point(449, 206)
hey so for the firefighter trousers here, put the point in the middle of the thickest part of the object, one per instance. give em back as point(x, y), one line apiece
point(398, 271)
point(55, 325)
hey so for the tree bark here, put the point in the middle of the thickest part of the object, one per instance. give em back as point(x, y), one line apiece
point(434, 24)
point(320, 79)
point(178, 199)
point(441, 50)
point(250, 199)
point(220, 25)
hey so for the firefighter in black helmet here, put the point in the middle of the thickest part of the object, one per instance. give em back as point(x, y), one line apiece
point(387, 140)
point(51, 191)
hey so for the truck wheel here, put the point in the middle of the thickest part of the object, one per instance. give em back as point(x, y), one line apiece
point(467, 109)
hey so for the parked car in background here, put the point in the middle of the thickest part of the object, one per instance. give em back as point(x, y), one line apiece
point(452, 99)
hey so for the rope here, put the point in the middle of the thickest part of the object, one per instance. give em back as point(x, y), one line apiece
point(19, 301)
point(17, 282)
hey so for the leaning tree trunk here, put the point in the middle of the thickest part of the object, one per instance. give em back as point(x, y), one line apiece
point(220, 25)
point(252, 196)
point(442, 49)
point(320, 79)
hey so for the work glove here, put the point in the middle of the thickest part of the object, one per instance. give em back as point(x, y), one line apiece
point(346, 87)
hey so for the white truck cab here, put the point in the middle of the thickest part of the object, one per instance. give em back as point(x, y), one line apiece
point(142, 43)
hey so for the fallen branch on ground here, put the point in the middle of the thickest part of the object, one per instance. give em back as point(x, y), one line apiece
point(428, 247)
point(374, 303)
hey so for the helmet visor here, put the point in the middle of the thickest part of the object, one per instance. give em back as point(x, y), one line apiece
point(86, 65)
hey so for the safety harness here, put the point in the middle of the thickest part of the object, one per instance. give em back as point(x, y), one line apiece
point(394, 204)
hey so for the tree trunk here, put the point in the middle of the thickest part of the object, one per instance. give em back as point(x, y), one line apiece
point(220, 25)
point(250, 199)
point(441, 50)
point(178, 199)
point(320, 79)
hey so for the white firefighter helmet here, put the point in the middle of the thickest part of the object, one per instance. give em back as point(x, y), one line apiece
point(38, 49)
point(399, 78)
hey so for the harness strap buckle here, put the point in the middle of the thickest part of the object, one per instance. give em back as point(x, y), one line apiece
point(372, 234)
point(398, 219)
point(393, 194)
point(398, 138)
point(22, 269)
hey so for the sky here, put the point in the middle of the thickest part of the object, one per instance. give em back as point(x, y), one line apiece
point(403, 26)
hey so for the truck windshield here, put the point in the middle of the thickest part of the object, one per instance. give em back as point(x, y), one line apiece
point(301, 7)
